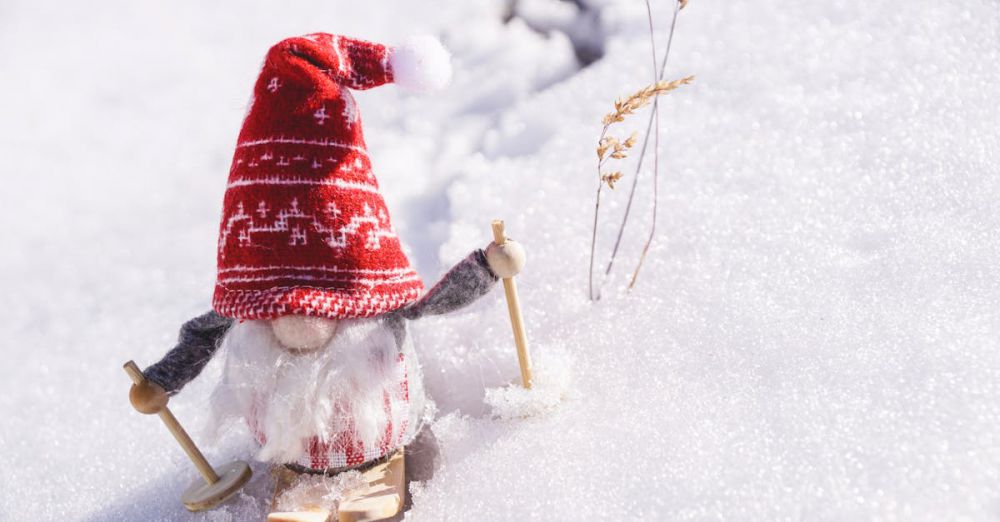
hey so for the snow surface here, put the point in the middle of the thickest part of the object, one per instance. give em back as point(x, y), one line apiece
point(815, 334)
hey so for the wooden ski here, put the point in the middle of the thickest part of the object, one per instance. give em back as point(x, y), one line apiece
point(382, 499)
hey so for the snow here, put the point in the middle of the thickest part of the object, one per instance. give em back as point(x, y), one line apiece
point(551, 384)
point(305, 492)
point(814, 334)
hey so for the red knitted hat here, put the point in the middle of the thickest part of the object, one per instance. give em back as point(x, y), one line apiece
point(304, 228)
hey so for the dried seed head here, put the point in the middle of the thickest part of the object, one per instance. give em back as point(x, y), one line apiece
point(611, 179)
point(602, 148)
point(623, 108)
point(641, 98)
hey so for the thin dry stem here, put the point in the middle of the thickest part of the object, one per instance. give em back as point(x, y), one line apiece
point(618, 149)
point(593, 237)
point(642, 152)
point(656, 157)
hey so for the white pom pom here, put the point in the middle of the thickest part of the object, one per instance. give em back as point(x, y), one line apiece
point(421, 64)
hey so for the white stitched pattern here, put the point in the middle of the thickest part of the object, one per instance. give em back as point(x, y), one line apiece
point(321, 116)
point(226, 230)
point(335, 44)
point(350, 112)
point(320, 279)
point(379, 229)
point(276, 301)
point(244, 268)
point(281, 180)
point(297, 223)
point(281, 140)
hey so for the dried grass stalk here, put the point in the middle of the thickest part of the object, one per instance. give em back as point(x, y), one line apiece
point(611, 148)
point(641, 98)
point(624, 108)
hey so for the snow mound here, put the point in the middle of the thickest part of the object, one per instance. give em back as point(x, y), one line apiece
point(550, 384)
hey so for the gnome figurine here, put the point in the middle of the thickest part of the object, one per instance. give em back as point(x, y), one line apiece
point(314, 291)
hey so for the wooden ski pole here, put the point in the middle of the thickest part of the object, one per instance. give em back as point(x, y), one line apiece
point(216, 488)
point(514, 308)
point(206, 470)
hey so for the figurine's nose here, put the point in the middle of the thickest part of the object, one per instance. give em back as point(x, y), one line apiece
point(302, 332)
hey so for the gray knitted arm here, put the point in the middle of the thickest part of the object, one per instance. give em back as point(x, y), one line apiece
point(196, 344)
point(467, 281)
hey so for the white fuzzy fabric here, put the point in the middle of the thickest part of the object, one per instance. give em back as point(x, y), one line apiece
point(294, 396)
point(421, 64)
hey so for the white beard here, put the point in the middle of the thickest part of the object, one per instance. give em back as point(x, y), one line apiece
point(290, 397)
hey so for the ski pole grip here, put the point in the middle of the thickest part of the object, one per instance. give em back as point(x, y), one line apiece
point(498, 236)
point(134, 372)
